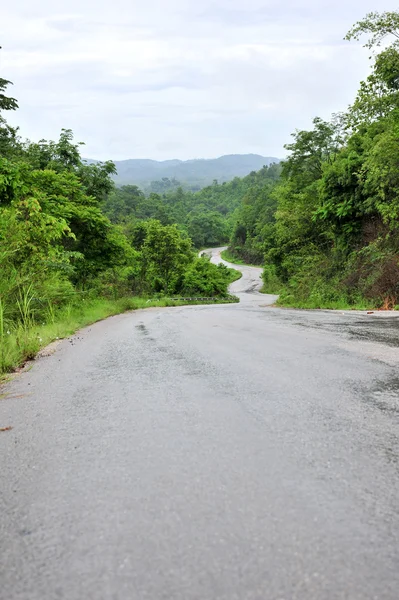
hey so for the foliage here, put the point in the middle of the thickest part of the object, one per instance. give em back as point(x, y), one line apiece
point(328, 229)
point(207, 216)
point(206, 279)
point(255, 219)
point(8, 134)
point(335, 240)
point(165, 255)
point(379, 25)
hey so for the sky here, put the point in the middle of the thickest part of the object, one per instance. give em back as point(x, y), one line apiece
point(184, 79)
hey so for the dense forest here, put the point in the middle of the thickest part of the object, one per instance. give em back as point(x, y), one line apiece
point(208, 216)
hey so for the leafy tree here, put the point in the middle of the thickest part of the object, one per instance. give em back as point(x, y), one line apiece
point(123, 203)
point(378, 96)
point(165, 254)
point(202, 278)
point(6, 102)
point(206, 228)
point(8, 134)
point(64, 156)
point(378, 26)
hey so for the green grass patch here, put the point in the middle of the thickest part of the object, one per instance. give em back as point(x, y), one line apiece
point(229, 257)
point(271, 283)
point(324, 301)
point(268, 290)
point(313, 291)
point(234, 274)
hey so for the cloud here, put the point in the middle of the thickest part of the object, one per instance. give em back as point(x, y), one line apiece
point(181, 78)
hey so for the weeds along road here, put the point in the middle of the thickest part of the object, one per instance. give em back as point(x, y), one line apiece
point(229, 452)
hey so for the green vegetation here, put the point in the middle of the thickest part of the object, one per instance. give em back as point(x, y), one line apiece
point(229, 257)
point(328, 230)
point(63, 263)
point(235, 275)
point(208, 216)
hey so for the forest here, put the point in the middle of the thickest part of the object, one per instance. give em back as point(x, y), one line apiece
point(323, 223)
point(207, 216)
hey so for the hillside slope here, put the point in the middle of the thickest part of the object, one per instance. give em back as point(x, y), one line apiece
point(197, 172)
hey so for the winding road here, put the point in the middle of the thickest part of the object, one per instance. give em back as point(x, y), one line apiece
point(226, 452)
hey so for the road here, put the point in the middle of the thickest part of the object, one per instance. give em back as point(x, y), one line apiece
point(228, 452)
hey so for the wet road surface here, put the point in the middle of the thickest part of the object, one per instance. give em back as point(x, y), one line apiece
point(236, 452)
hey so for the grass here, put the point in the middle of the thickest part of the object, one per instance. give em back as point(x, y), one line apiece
point(21, 342)
point(226, 255)
point(316, 301)
point(268, 290)
point(324, 305)
point(235, 275)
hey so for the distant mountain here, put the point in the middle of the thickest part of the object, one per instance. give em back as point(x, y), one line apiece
point(195, 173)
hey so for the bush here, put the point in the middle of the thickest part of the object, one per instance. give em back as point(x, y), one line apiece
point(271, 283)
point(202, 278)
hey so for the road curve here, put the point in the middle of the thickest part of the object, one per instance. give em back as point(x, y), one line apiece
point(229, 452)
point(247, 288)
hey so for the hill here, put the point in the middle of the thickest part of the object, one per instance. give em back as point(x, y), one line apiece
point(195, 174)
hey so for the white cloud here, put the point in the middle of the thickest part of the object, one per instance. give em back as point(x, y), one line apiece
point(179, 78)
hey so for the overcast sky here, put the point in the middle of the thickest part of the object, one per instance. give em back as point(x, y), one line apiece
point(180, 78)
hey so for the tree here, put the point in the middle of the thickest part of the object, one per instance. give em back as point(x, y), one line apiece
point(378, 25)
point(310, 149)
point(206, 228)
point(8, 134)
point(206, 279)
point(165, 254)
point(6, 102)
point(378, 96)
point(123, 203)
point(64, 155)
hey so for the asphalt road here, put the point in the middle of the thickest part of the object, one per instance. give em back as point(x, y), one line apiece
point(236, 452)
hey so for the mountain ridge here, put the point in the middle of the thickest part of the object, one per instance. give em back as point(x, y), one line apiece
point(195, 172)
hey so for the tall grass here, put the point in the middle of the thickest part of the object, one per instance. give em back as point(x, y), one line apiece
point(320, 299)
point(25, 308)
